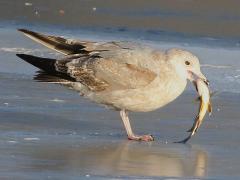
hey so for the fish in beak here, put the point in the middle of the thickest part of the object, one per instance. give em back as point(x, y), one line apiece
point(205, 105)
point(194, 77)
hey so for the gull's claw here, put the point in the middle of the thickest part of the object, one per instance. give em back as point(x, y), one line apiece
point(141, 138)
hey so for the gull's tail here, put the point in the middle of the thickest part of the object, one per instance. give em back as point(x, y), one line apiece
point(49, 71)
point(45, 64)
point(58, 44)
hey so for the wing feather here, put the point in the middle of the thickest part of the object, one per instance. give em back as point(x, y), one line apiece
point(59, 44)
point(99, 66)
point(100, 74)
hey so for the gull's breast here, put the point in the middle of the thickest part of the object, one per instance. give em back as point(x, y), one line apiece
point(157, 94)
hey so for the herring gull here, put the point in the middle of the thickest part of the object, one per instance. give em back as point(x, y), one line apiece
point(125, 76)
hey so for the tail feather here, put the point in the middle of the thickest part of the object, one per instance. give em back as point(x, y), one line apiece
point(45, 64)
point(49, 72)
point(56, 43)
point(43, 76)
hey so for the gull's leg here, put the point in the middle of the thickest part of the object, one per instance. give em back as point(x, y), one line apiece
point(131, 135)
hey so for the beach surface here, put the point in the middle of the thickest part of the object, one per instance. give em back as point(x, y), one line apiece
point(49, 132)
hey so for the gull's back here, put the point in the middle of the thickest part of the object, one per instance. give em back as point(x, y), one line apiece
point(118, 74)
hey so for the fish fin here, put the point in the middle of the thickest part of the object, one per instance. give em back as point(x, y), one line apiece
point(213, 93)
point(197, 99)
point(210, 108)
point(184, 141)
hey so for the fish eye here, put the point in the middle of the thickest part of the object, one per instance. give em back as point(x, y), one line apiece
point(187, 63)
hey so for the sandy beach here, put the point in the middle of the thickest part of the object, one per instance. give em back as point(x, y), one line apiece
point(50, 132)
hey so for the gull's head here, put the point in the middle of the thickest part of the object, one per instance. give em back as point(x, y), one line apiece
point(186, 64)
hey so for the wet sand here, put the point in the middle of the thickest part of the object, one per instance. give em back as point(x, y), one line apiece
point(48, 131)
point(215, 18)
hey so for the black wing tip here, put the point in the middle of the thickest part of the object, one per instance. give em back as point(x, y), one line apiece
point(22, 56)
point(23, 30)
point(45, 64)
point(25, 57)
point(28, 58)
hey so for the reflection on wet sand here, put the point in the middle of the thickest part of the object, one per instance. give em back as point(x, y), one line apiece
point(126, 158)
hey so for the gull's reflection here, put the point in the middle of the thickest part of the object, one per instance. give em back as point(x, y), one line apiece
point(200, 164)
point(126, 158)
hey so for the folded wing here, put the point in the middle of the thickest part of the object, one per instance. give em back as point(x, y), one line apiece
point(59, 44)
point(92, 71)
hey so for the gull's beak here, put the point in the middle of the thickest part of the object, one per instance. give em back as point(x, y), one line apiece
point(193, 77)
point(204, 79)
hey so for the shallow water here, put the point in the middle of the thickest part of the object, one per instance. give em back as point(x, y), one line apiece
point(215, 18)
point(49, 132)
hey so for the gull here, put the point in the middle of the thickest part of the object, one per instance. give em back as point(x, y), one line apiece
point(125, 76)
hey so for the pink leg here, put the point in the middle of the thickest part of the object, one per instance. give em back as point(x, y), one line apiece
point(131, 135)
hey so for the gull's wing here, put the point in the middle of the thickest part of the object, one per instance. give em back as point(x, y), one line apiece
point(59, 44)
point(93, 71)
point(123, 51)
point(109, 74)
point(70, 46)
point(99, 66)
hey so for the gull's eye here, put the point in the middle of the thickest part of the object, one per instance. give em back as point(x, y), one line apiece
point(187, 63)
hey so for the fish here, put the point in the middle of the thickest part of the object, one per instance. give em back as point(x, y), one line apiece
point(214, 93)
point(205, 105)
